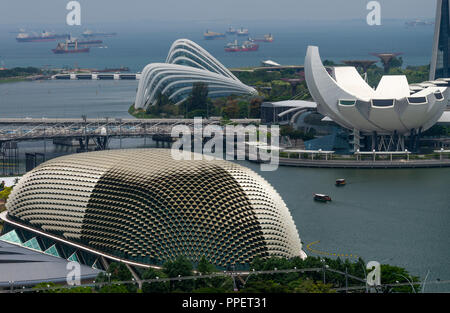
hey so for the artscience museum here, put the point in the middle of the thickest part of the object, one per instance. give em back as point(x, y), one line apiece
point(390, 117)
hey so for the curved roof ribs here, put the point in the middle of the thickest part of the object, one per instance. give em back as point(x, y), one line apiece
point(186, 63)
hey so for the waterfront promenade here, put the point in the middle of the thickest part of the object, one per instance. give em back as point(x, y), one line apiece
point(367, 164)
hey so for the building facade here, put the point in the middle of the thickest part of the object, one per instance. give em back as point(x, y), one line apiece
point(142, 207)
point(440, 60)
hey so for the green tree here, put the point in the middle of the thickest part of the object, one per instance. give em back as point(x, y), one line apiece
point(197, 103)
point(308, 286)
point(114, 288)
point(213, 284)
point(157, 287)
point(181, 266)
point(231, 109)
point(280, 91)
point(45, 285)
point(255, 108)
point(396, 62)
point(205, 267)
point(393, 274)
point(264, 286)
point(117, 272)
point(4, 194)
point(78, 289)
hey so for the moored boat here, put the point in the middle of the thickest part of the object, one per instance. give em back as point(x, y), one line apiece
point(246, 46)
point(242, 32)
point(321, 197)
point(69, 47)
point(45, 36)
point(213, 35)
point(267, 38)
point(231, 31)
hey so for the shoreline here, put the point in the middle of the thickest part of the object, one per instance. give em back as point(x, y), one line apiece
point(362, 164)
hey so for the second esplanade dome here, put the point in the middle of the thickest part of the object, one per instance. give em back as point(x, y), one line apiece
point(142, 205)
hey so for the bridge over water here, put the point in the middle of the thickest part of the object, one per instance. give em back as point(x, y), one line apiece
point(84, 133)
point(83, 129)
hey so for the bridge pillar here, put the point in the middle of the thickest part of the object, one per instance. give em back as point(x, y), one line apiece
point(102, 142)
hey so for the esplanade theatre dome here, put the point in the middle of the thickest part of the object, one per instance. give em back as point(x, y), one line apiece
point(143, 206)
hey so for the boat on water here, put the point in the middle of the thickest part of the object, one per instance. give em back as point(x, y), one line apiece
point(321, 197)
point(43, 37)
point(246, 46)
point(208, 35)
point(89, 33)
point(242, 32)
point(267, 38)
point(231, 31)
point(340, 182)
point(84, 42)
point(69, 47)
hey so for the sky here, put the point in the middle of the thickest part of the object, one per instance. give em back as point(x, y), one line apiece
point(16, 12)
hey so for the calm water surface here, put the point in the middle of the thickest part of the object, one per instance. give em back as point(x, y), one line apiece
point(395, 216)
point(398, 217)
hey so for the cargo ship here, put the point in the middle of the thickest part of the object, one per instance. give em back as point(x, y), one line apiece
point(84, 42)
point(242, 32)
point(69, 47)
point(208, 35)
point(45, 36)
point(231, 31)
point(89, 33)
point(246, 46)
point(267, 38)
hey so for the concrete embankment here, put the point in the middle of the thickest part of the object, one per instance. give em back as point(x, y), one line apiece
point(364, 163)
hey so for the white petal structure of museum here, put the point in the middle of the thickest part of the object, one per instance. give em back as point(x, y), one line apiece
point(187, 63)
point(141, 205)
point(392, 107)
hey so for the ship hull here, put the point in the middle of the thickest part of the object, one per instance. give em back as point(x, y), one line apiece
point(99, 35)
point(42, 39)
point(59, 51)
point(263, 40)
point(253, 48)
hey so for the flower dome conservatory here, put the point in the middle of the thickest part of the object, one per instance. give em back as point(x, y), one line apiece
point(187, 63)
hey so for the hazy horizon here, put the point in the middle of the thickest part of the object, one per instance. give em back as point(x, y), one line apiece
point(53, 12)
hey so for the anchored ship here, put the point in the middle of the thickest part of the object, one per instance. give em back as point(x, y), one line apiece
point(84, 42)
point(242, 32)
point(213, 35)
point(45, 36)
point(246, 46)
point(267, 38)
point(89, 33)
point(231, 31)
point(69, 47)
